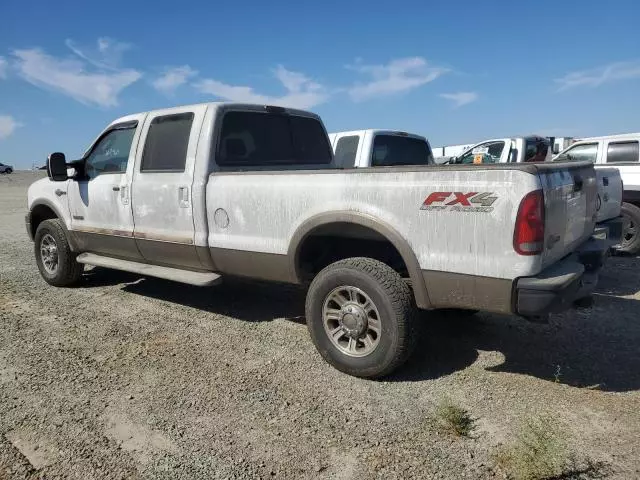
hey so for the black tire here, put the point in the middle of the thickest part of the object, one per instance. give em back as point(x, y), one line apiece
point(391, 297)
point(630, 243)
point(68, 271)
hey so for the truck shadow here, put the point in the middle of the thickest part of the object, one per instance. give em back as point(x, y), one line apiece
point(597, 347)
point(620, 277)
point(245, 300)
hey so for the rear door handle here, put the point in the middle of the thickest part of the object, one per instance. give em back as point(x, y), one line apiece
point(116, 189)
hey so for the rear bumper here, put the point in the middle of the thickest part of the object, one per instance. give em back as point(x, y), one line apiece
point(556, 288)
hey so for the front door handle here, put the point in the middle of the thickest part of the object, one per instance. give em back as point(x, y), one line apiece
point(59, 192)
point(115, 189)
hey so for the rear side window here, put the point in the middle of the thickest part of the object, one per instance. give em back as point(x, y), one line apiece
point(165, 149)
point(346, 149)
point(623, 152)
point(579, 153)
point(536, 150)
point(258, 139)
point(391, 150)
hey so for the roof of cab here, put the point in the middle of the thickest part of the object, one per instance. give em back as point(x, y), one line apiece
point(220, 105)
point(376, 131)
point(618, 136)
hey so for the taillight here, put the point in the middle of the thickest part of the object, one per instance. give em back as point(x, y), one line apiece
point(528, 237)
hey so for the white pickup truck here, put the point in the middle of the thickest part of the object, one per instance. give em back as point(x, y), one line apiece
point(534, 148)
point(195, 193)
point(379, 148)
point(622, 153)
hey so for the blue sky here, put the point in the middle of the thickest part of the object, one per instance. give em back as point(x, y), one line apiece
point(455, 71)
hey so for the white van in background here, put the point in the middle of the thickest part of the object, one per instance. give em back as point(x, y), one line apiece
point(622, 152)
point(379, 148)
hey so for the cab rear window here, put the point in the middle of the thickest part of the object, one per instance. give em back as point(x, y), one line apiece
point(263, 139)
point(389, 150)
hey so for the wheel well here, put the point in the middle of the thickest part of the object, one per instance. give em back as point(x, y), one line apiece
point(39, 214)
point(336, 241)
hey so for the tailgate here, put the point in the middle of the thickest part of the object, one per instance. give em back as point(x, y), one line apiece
point(609, 198)
point(570, 205)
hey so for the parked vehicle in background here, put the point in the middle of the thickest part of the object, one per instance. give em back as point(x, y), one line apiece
point(560, 143)
point(449, 151)
point(506, 150)
point(379, 148)
point(621, 152)
point(534, 148)
point(195, 193)
point(5, 168)
point(444, 154)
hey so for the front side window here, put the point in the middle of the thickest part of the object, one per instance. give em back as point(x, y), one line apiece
point(489, 152)
point(579, 153)
point(389, 150)
point(263, 139)
point(165, 149)
point(111, 154)
point(346, 149)
point(623, 152)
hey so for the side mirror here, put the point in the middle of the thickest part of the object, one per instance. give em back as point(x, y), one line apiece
point(453, 160)
point(556, 149)
point(513, 155)
point(57, 167)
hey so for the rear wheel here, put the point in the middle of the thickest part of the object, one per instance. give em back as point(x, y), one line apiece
point(56, 262)
point(631, 235)
point(361, 317)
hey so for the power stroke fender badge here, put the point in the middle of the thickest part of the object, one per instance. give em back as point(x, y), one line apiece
point(481, 202)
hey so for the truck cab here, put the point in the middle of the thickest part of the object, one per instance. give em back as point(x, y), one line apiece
point(379, 148)
point(507, 150)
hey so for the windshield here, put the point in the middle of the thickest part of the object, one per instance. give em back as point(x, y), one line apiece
point(489, 152)
point(389, 150)
point(579, 153)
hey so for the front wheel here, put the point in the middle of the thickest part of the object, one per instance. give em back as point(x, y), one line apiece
point(631, 235)
point(56, 261)
point(361, 317)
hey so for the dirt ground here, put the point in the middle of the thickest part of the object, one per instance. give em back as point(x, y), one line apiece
point(127, 377)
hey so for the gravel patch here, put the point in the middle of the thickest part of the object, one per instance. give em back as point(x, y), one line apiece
point(131, 377)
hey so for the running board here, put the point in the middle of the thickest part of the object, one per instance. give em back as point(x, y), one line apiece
point(199, 279)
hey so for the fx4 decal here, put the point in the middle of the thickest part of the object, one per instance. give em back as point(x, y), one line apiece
point(460, 201)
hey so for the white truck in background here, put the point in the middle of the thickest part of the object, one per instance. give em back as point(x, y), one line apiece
point(379, 148)
point(442, 154)
point(622, 153)
point(199, 192)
